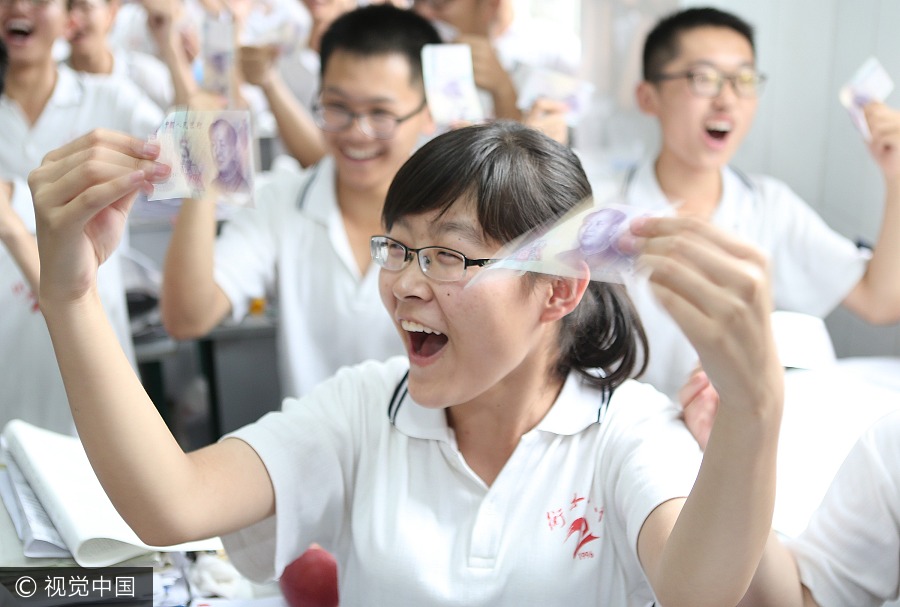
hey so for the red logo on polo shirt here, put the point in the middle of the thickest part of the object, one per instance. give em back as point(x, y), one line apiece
point(580, 527)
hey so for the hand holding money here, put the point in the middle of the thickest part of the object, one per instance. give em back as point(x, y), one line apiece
point(450, 84)
point(210, 154)
point(870, 83)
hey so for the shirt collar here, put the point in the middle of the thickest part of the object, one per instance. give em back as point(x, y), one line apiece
point(319, 196)
point(642, 188)
point(578, 406)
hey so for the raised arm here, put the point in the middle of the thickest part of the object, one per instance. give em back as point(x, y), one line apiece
point(717, 289)
point(82, 193)
point(876, 298)
point(490, 76)
point(16, 238)
point(191, 302)
point(300, 135)
point(161, 18)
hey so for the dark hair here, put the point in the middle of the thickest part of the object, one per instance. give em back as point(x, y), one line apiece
point(663, 42)
point(4, 63)
point(379, 29)
point(518, 178)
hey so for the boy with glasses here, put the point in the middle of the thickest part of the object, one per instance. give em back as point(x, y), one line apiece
point(702, 84)
point(306, 245)
point(43, 106)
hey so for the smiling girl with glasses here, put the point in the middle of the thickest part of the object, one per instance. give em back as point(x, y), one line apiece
point(507, 459)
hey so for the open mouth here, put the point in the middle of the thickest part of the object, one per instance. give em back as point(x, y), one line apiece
point(424, 341)
point(18, 30)
point(718, 129)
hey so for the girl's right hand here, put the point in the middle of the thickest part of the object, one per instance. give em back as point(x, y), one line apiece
point(82, 194)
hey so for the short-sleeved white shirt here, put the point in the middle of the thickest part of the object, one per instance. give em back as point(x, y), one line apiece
point(378, 480)
point(813, 267)
point(850, 552)
point(32, 387)
point(147, 72)
point(293, 248)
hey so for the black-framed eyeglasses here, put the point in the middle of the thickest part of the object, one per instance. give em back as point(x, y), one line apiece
point(708, 80)
point(440, 263)
point(379, 124)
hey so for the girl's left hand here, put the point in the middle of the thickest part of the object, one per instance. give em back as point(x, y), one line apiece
point(717, 289)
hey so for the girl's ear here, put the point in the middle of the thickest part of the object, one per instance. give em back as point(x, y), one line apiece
point(565, 294)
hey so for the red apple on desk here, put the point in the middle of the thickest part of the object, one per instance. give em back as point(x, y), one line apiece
point(311, 580)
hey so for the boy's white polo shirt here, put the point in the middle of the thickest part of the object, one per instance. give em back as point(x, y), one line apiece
point(411, 524)
point(293, 248)
point(813, 267)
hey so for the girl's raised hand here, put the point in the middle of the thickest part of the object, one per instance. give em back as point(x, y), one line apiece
point(717, 289)
point(82, 194)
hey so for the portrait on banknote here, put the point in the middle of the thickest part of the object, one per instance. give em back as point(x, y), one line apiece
point(210, 153)
point(597, 243)
point(228, 152)
point(584, 241)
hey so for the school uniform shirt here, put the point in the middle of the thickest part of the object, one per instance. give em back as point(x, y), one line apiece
point(850, 552)
point(379, 481)
point(293, 249)
point(813, 268)
point(147, 72)
point(32, 387)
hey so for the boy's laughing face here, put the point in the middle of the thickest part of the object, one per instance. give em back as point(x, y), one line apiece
point(379, 84)
point(702, 133)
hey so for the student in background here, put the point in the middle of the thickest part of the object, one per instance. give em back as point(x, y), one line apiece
point(504, 46)
point(90, 51)
point(507, 458)
point(306, 245)
point(702, 84)
point(43, 106)
point(849, 553)
point(291, 83)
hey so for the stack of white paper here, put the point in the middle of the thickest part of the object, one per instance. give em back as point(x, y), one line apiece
point(57, 471)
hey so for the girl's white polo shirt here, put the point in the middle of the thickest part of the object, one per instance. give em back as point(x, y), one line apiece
point(370, 475)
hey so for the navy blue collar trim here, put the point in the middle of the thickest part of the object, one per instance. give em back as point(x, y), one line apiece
point(400, 393)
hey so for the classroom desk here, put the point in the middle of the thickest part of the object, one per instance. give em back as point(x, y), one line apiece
point(151, 351)
point(240, 363)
